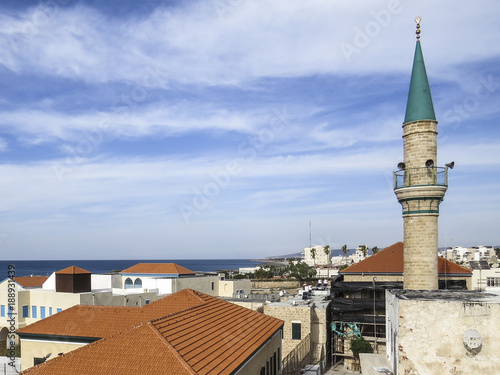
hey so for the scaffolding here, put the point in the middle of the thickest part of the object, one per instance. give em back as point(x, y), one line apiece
point(358, 310)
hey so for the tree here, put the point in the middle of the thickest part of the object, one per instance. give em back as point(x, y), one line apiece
point(360, 345)
point(344, 249)
point(375, 250)
point(364, 250)
point(326, 249)
point(313, 254)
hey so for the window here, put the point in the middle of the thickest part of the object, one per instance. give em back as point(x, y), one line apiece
point(147, 302)
point(213, 285)
point(37, 361)
point(50, 311)
point(128, 283)
point(296, 331)
point(138, 283)
point(493, 281)
point(263, 370)
point(2, 310)
point(275, 364)
point(59, 309)
point(33, 312)
point(25, 312)
point(10, 310)
point(42, 312)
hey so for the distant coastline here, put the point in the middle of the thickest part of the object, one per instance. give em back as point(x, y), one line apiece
point(47, 267)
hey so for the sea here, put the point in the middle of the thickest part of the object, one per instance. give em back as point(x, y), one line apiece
point(47, 267)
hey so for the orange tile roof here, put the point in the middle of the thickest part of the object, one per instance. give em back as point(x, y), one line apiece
point(103, 321)
point(30, 281)
point(216, 337)
point(140, 350)
point(210, 337)
point(73, 270)
point(158, 268)
point(390, 260)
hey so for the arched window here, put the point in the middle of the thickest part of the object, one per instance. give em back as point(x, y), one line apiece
point(128, 283)
point(138, 283)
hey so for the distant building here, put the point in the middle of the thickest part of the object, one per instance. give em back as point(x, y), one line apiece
point(187, 332)
point(317, 255)
point(465, 255)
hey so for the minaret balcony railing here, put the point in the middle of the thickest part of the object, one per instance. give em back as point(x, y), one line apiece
point(425, 176)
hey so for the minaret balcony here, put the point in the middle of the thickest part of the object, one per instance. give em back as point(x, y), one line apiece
point(425, 176)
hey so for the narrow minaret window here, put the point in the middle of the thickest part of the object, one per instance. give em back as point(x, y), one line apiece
point(419, 183)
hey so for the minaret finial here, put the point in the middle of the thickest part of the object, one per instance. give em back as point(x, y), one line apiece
point(417, 20)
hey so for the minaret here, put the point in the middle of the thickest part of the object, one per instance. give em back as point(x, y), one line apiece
point(420, 185)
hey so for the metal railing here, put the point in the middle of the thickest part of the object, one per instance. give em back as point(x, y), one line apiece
point(298, 357)
point(425, 176)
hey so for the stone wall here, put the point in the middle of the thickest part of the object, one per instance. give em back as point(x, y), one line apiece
point(276, 284)
point(291, 314)
point(426, 336)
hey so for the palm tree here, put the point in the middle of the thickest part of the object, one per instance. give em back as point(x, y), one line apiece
point(313, 254)
point(364, 250)
point(344, 249)
point(326, 249)
point(375, 250)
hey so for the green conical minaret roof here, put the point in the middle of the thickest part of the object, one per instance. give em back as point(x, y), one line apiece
point(419, 106)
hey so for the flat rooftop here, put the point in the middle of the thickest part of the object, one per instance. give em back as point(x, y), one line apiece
point(447, 295)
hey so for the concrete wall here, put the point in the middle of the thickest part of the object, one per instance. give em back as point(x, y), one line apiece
point(265, 354)
point(427, 336)
point(106, 281)
point(228, 288)
point(38, 348)
point(205, 284)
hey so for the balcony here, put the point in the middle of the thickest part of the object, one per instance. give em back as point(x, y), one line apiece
point(425, 176)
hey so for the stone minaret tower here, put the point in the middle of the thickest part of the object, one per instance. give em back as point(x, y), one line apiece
point(419, 184)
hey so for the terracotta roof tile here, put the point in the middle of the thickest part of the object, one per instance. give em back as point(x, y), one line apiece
point(216, 337)
point(390, 260)
point(73, 270)
point(103, 321)
point(30, 281)
point(158, 268)
point(140, 350)
point(208, 336)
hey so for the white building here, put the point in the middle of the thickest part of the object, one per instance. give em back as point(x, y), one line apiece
point(317, 255)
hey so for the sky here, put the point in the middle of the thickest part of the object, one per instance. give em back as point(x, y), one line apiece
point(236, 128)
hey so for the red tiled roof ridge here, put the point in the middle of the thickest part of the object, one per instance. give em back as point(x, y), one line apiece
point(30, 281)
point(391, 261)
point(187, 290)
point(203, 303)
point(171, 348)
point(73, 270)
point(142, 268)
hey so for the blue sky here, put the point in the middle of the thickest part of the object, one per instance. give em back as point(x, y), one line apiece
point(222, 128)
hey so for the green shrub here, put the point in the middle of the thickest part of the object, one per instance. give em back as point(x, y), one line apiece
point(360, 345)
